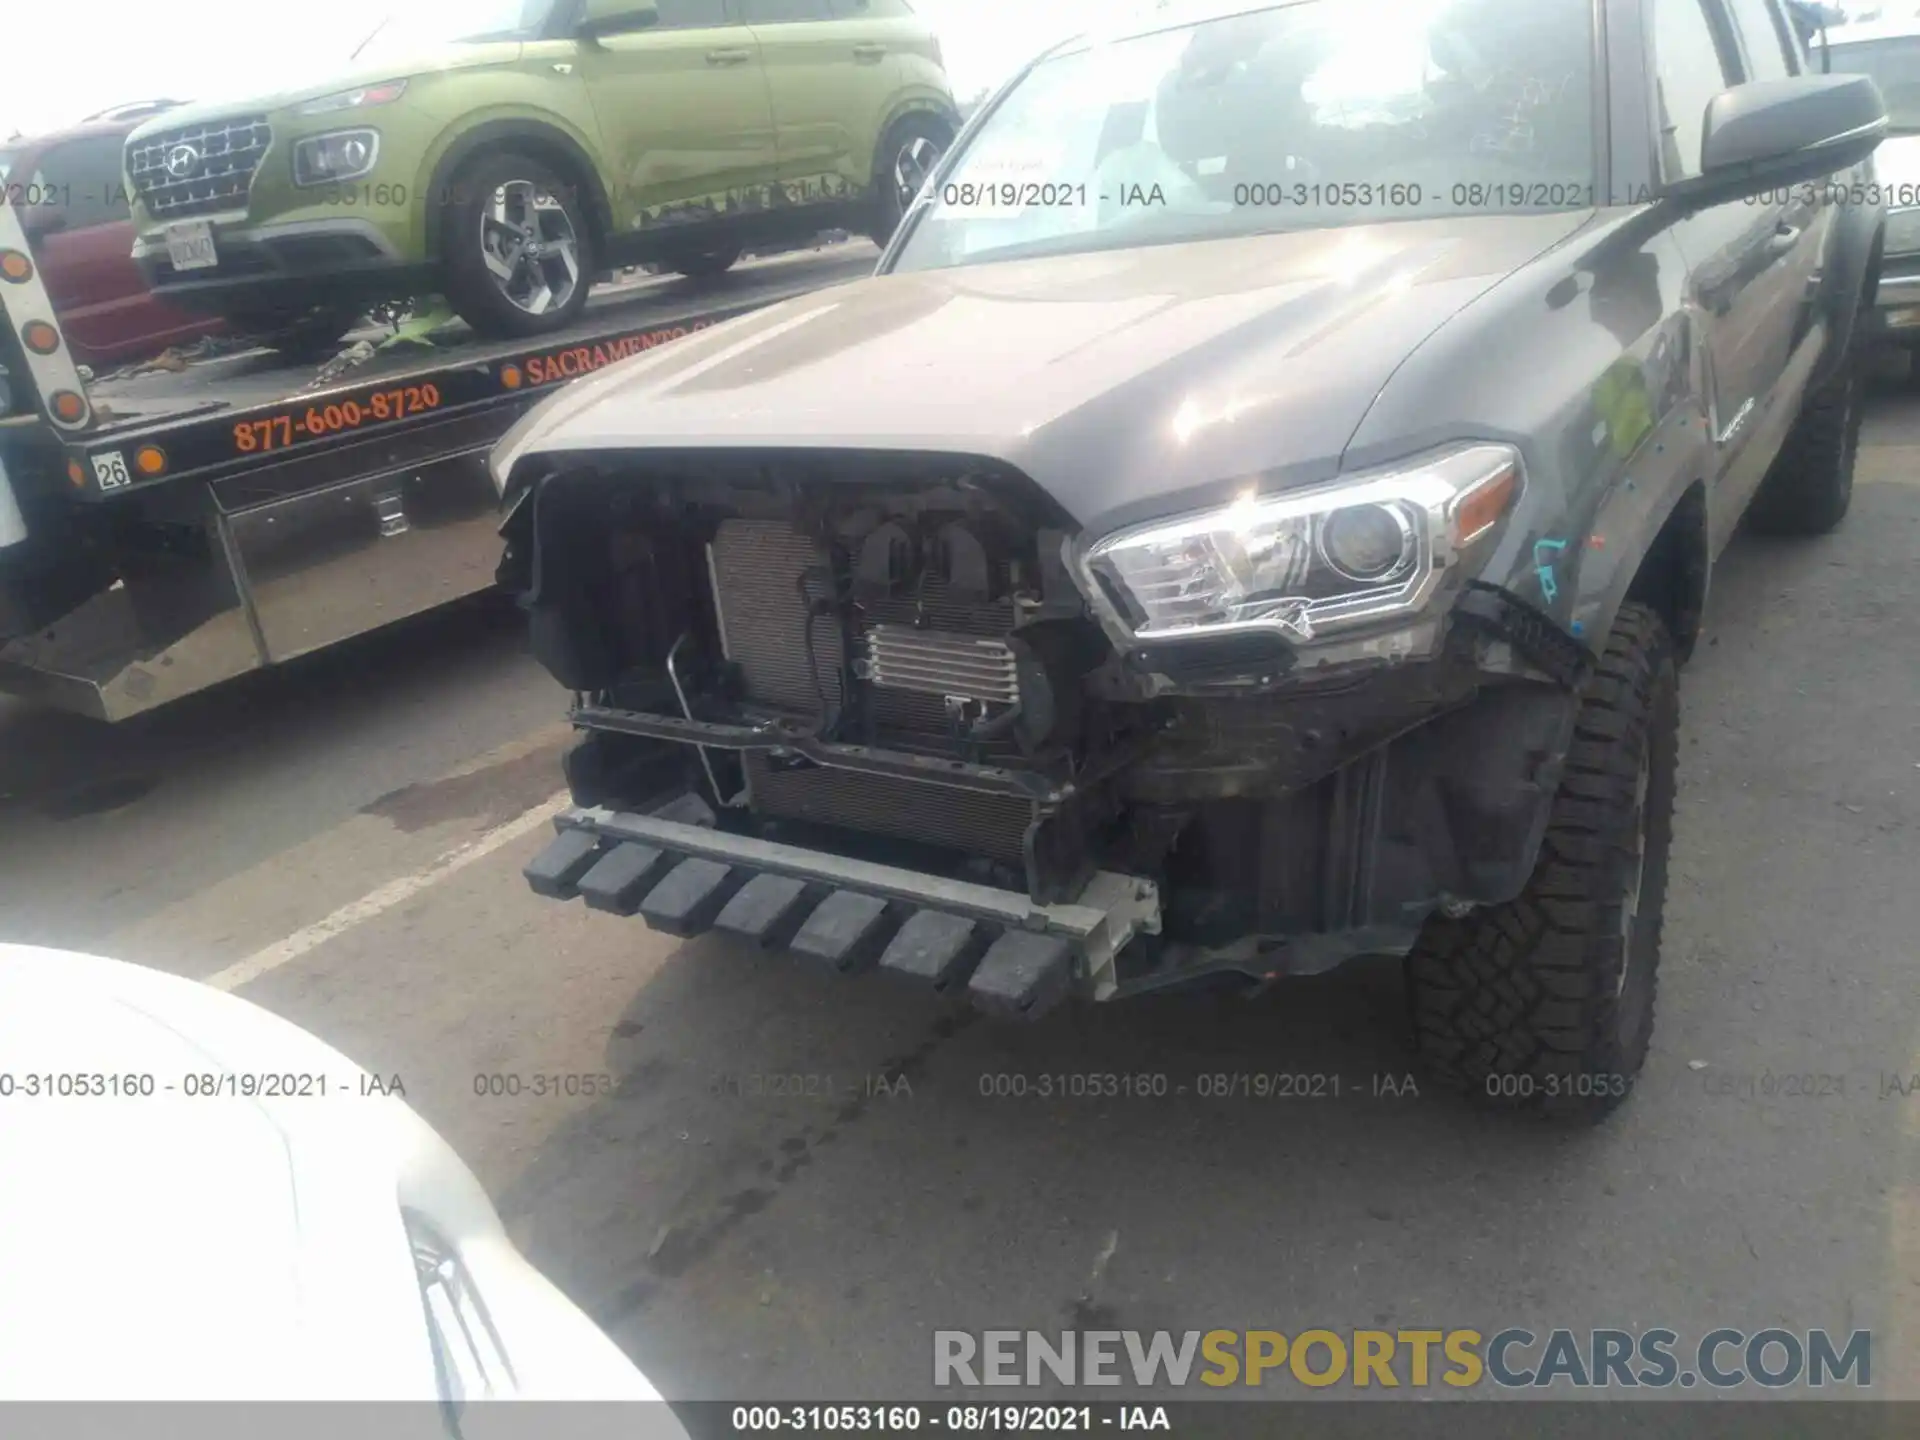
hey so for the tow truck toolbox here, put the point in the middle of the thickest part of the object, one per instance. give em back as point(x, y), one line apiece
point(164, 532)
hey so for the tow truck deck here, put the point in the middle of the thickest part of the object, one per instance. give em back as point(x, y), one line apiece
point(253, 514)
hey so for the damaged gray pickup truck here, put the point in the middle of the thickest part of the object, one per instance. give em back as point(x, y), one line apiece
point(1251, 520)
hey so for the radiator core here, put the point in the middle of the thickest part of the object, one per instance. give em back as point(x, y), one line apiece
point(765, 576)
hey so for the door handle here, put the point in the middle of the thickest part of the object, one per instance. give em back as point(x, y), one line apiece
point(869, 52)
point(729, 57)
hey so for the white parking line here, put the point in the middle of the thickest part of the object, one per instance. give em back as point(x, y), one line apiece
point(378, 902)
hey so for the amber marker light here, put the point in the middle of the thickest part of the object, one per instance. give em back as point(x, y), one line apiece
point(68, 407)
point(15, 266)
point(1481, 507)
point(150, 460)
point(40, 337)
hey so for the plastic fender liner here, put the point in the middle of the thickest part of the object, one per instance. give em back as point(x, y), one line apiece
point(1535, 636)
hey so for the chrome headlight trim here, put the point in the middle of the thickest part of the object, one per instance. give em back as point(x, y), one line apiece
point(470, 1362)
point(1442, 496)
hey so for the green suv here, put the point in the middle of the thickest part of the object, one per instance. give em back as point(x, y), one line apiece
point(505, 152)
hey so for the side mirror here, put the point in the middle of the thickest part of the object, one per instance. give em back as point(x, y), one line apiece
point(616, 17)
point(1774, 133)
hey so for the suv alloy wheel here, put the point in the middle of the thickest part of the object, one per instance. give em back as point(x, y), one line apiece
point(910, 152)
point(518, 247)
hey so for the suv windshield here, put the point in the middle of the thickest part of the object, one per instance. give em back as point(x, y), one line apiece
point(1313, 115)
point(430, 24)
point(1895, 65)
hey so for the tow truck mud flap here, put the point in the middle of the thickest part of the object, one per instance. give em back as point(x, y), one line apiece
point(1011, 957)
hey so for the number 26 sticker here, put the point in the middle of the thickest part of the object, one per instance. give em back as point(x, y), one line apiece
point(110, 470)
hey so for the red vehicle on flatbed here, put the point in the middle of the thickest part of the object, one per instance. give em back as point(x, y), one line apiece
point(67, 189)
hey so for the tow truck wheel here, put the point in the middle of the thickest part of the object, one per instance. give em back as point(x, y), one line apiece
point(910, 151)
point(1810, 487)
point(517, 247)
point(1545, 1004)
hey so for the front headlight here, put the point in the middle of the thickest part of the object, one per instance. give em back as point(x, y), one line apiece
point(468, 1357)
point(1302, 565)
point(1903, 232)
point(360, 99)
point(329, 159)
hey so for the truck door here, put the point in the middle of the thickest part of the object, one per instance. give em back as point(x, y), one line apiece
point(1803, 232)
point(1741, 257)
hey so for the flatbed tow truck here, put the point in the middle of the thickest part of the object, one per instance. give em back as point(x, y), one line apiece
point(166, 532)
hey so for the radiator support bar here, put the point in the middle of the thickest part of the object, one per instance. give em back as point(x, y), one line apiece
point(783, 735)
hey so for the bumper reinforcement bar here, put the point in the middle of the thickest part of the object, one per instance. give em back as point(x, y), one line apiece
point(1011, 956)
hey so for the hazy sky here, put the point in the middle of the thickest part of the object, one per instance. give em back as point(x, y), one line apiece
point(68, 58)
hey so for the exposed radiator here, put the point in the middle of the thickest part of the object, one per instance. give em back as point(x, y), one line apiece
point(990, 825)
point(933, 662)
point(759, 570)
point(759, 567)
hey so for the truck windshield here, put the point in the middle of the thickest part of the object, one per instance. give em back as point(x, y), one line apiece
point(1315, 115)
point(1895, 65)
point(430, 24)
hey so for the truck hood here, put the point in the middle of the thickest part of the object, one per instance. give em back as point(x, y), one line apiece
point(1125, 383)
point(327, 77)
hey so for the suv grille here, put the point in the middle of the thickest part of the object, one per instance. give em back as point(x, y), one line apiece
point(199, 169)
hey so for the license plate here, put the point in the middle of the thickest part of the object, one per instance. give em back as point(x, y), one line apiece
point(190, 246)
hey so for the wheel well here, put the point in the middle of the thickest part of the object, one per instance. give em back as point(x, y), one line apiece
point(916, 110)
point(546, 145)
point(1672, 579)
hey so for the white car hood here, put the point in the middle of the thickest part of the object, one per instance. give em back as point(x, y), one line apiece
point(177, 1246)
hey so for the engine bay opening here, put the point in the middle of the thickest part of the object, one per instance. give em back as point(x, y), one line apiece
point(887, 658)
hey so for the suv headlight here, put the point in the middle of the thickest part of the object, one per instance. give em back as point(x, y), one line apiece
point(468, 1358)
point(366, 95)
point(343, 155)
point(1356, 553)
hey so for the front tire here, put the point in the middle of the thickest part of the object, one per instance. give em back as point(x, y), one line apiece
point(517, 247)
point(909, 152)
point(1810, 487)
point(1546, 1003)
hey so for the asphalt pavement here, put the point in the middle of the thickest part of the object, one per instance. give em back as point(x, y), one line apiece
point(773, 1183)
